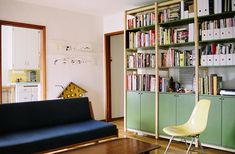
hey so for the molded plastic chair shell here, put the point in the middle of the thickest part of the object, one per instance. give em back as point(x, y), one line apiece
point(196, 123)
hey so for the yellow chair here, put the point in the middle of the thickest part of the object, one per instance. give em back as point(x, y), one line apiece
point(193, 127)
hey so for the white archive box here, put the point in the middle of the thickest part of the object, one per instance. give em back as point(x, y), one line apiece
point(204, 35)
point(216, 34)
point(223, 59)
point(210, 34)
point(229, 32)
point(229, 59)
point(233, 59)
point(216, 60)
point(233, 31)
point(223, 33)
point(210, 60)
point(204, 60)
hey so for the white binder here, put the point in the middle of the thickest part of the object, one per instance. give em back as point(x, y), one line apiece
point(216, 59)
point(199, 7)
point(205, 5)
point(233, 5)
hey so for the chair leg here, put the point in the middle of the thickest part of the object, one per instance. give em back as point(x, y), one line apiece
point(200, 144)
point(168, 145)
point(185, 142)
point(190, 145)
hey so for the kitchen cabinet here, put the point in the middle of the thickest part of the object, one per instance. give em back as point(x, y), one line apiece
point(27, 92)
point(174, 109)
point(141, 111)
point(25, 49)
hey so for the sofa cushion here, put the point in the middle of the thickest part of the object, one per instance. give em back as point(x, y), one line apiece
point(47, 138)
point(33, 115)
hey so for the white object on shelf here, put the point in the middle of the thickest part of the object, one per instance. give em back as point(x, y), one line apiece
point(216, 60)
point(229, 59)
point(204, 60)
point(26, 92)
point(210, 60)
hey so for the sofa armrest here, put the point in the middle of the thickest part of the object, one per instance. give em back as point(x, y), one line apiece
point(91, 110)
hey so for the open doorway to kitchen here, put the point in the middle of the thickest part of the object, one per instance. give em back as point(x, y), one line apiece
point(114, 52)
point(23, 62)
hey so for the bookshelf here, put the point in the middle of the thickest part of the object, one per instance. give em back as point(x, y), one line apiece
point(176, 37)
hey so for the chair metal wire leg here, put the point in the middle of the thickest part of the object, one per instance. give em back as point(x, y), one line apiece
point(185, 142)
point(200, 144)
point(168, 145)
point(190, 145)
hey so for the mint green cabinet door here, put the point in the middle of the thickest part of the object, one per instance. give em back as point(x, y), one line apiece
point(185, 105)
point(166, 111)
point(147, 112)
point(212, 133)
point(133, 110)
point(228, 122)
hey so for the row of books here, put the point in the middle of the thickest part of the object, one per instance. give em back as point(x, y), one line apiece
point(206, 7)
point(141, 82)
point(218, 29)
point(141, 60)
point(187, 9)
point(174, 58)
point(176, 35)
point(210, 85)
point(215, 49)
point(141, 20)
point(170, 14)
point(141, 39)
point(163, 84)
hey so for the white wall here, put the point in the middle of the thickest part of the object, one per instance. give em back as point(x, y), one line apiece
point(114, 22)
point(72, 28)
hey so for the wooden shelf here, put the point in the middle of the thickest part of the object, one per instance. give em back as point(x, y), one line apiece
point(229, 40)
point(217, 16)
point(177, 45)
point(141, 28)
point(131, 69)
point(177, 22)
point(217, 66)
point(142, 48)
point(176, 67)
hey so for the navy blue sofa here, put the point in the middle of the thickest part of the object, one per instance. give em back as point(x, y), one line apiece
point(39, 126)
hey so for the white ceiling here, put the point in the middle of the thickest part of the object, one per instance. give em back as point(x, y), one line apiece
point(94, 7)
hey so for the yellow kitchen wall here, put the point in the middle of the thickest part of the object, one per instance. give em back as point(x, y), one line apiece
point(22, 75)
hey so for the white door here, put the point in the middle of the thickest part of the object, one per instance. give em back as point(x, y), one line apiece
point(117, 66)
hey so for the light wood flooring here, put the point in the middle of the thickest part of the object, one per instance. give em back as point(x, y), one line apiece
point(175, 148)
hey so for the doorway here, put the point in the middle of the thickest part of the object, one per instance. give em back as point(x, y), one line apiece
point(114, 47)
point(17, 75)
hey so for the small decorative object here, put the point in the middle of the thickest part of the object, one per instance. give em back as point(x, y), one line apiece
point(72, 91)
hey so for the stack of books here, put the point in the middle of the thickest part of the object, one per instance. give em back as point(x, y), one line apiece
point(141, 20)
point(141, 60)
point(175, 58)
point(170, 14)
point(141, 82)
point(173, 35)
point(141, 39)
point(210, 85)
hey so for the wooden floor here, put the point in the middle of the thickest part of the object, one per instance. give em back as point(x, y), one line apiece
point(175, 148)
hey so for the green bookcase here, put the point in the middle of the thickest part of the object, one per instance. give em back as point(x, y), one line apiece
point(141, 111)
point(228, 122)
point(174, 109)
point(212, 134)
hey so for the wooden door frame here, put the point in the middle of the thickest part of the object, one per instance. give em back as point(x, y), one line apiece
point(108, 72)
point(42, 53)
